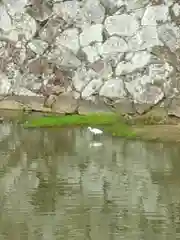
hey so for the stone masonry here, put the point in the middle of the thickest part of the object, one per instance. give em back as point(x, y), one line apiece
point(90, 55)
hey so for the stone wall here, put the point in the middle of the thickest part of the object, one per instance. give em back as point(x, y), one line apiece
point(122, 54)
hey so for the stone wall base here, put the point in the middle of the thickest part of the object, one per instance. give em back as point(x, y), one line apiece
point(16, 106)
point(64, 104)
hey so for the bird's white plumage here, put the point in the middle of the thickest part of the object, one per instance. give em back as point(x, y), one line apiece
point(95, 144)
point(95, 130)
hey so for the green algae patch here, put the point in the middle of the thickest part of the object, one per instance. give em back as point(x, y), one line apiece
point(110, 123)
point(120, 130)
point(72, 120)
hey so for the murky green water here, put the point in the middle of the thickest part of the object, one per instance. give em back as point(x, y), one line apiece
point(58, 184)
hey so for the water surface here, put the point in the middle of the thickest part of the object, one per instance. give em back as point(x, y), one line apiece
point(64, 184)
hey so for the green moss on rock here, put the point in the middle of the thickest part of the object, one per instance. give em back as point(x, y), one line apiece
point(72, 120)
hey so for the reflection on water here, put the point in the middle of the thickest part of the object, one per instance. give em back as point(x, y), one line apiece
point(63, 184)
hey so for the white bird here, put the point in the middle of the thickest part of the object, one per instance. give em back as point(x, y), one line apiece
point(95, 144)
point(95, 131)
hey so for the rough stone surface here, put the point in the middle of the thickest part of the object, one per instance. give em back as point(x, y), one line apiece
point(113, 88)
point(38, 46)
point(86, 107)
point(82, 77)
point(113, 45)
point(138, 61)
point(174, 107)
point(91, 53)
point(92, 88)
point(57, 52)
point(124, 106)
point(65, 103)
point(103, 68)
point(122, 25)
point(146, 38)
point(11, 105)
point(91, 34)
point(155, 14)
point(143, 91)
point(70, 39)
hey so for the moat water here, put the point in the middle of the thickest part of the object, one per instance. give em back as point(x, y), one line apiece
point(66, 184)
